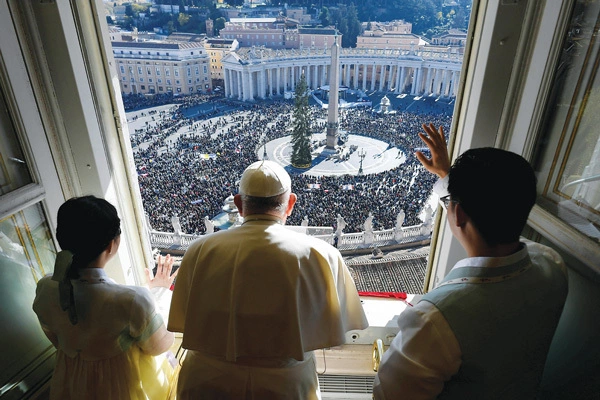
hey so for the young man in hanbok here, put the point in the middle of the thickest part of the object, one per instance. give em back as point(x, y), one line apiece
point(485, 330)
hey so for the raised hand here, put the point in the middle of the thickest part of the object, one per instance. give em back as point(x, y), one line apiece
point(163, 277)
point(439, 163)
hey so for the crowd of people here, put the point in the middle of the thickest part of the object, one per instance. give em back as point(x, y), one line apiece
point(139, 101)
point(255, 303)
point(192, 173)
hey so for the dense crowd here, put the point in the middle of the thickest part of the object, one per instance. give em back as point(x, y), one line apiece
point(140, 101)
point(192, 174)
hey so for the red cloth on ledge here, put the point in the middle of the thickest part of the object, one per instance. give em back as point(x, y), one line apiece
point(392, 295)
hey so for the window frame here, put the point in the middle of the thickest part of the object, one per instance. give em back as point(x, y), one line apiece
point(483, 91)
point(29, 123)
point(529, 102)
point(505, 110)
point(85, 111)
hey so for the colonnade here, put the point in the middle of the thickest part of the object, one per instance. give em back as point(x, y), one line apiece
point(273, 77)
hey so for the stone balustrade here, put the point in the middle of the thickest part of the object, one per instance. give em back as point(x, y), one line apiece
point(347, 242)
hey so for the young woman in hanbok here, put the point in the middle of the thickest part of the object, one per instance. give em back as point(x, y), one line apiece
point(108, 336)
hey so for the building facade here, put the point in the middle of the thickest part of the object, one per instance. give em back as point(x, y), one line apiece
point(395, 26)
point(381, 40)
point(276, 33)
point(258, 73)
point(389, 35)
point(216, 50)
point(453, 37)
point(162, 67)
point(318, 38)
point(268, 32)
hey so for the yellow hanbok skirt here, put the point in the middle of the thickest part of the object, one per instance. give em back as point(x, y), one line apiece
point(129, 375)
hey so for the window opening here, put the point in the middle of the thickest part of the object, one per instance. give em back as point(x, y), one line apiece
point(386, 96)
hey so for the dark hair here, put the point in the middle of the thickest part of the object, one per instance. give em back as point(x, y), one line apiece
point(262, 205)
point(496, 189)
point(86, 226)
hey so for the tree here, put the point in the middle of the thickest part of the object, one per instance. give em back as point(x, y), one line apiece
point(343, 28)
point(170, 27)
point(460, 20)
point(214, 12)
point(183, 19)
point(218, 25)
point(324, 17)
point(301, 135)
point(354, 26)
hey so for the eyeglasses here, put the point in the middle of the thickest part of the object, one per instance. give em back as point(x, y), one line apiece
point(445, 201)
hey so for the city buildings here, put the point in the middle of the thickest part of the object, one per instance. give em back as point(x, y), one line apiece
point(270, 32)
point(389, 35)
point(162, 67)
point(276, 33)
point(216, 50)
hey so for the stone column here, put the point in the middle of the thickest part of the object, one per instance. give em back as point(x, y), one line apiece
point(373, 77)
point(454, 83)
point(260, 87)
point(347, 75)
point(415, 80)
point(239, 84)
point(446, 83)
point(391, 77)
point(280, 83)
point(245, 89)
point(272, 81)
point(422, 81)
point(443, 82)
point(318, 81)
point(307, 75)
point(403, 72)
point(428, 81)
point(399, 70)
point(382, 77)
point(364, 80)
point(439, 80)
point(246, 85)
point(421, 86)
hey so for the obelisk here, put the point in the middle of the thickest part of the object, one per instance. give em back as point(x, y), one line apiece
point(334, 87)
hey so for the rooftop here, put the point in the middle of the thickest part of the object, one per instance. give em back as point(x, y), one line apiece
point(400, 271)
point(158, 45)
point(319, 31)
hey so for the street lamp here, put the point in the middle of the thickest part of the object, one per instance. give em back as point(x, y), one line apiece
point(361, 155)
